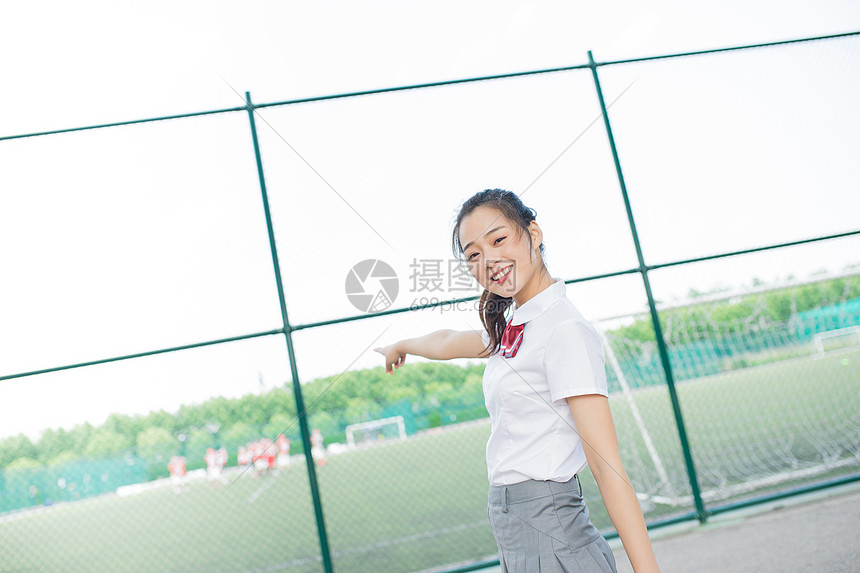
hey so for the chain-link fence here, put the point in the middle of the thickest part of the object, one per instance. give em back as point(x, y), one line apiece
point(734, 162)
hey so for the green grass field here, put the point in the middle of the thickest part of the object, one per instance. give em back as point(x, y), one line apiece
point(421, 503)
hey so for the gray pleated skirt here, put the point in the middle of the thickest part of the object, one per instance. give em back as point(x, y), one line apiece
point(543, 526)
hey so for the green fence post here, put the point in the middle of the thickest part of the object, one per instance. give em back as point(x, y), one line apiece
point(287, 330)
point(701, 513)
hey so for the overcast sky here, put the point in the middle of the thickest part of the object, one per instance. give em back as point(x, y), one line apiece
point(143, 237)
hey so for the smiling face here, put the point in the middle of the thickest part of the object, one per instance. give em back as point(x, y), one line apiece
point(502, 256)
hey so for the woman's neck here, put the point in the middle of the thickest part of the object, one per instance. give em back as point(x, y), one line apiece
point(538, 283)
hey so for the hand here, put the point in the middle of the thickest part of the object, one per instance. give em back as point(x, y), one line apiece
point(393, 357)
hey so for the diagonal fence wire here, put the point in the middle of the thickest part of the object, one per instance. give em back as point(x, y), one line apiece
point(311, 167)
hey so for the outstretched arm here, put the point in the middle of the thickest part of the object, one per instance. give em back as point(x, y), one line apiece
point(597, 432)
point(439, 345)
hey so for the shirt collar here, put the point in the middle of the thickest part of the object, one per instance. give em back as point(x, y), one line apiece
point(536, 305)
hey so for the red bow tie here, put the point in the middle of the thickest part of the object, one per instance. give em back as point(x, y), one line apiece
point(511, 339)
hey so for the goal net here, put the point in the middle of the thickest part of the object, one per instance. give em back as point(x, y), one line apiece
point(767, 384)
point(837, 339)
point(375, 432)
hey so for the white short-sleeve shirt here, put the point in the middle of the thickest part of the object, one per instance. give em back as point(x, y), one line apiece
point(533, 434)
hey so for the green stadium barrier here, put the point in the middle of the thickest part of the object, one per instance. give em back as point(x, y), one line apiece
point(70, 481)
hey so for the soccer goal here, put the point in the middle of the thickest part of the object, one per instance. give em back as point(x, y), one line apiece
point(375, 431)
point(837, 339)
point(768, 396)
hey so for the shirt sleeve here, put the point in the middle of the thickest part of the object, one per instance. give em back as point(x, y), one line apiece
point(485, 336)
point(574, 361)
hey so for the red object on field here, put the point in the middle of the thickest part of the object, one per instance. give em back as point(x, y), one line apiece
point(176, 466)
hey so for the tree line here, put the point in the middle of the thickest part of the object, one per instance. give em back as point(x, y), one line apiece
point(427, 394)
point(710, 320)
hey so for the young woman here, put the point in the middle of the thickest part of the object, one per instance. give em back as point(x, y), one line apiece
point(545, 389)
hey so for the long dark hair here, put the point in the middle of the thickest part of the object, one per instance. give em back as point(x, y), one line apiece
point(492, 307)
